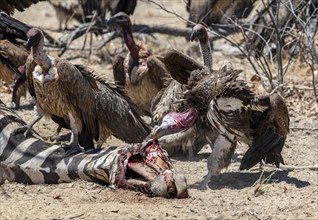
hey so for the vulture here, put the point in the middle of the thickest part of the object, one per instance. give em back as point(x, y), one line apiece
point(62, 92)
point(74, 98)
point(117, 114)
point(235, 112)
point(12, 69)
point(141, 74)
point(12, 54)
point(216, 13)
point(83, 10)
point(191, 140)
point(8, 6)
point(65, 10)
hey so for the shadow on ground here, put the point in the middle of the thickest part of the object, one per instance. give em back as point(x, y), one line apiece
point(240, 180)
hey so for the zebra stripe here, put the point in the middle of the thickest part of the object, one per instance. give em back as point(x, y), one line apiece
point(33, 161)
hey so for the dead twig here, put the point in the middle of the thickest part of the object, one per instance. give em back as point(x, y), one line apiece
point(303, 129)
point(292, 168)
point(69, 218)
point(253, 213)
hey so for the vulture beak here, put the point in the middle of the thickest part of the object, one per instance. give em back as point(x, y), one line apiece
point(193, 36)
point(111, 21)
point(159, 131)
point(29, 43)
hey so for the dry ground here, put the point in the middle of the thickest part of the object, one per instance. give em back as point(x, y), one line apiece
point(287, 195)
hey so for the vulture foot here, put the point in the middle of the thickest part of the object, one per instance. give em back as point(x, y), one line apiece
point(190, 154)
point(27, 130)
point(237, 156)
point(73, 149)
point(56, 135)
point(204, 184)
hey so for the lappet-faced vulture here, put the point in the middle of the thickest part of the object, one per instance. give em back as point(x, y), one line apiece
point(141, 73)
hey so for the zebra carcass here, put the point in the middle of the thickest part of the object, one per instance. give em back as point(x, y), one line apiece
point(142, 167)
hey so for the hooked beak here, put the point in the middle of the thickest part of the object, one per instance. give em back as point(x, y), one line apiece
point(159, 131)
point(111, 21)
point(193, 36)
point(29, 43)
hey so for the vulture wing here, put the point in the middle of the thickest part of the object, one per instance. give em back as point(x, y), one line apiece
point(157, 71)
point(12, 56)
point(4, 59)
point(180, 65)
point(119, 71)
point(79, 92)
point(11, 28)
point(119, 114)
point(271, 128)
point(8, 6)
point(127, 6)
point(167, 100)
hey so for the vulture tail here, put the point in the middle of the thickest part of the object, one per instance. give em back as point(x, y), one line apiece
point(271, 128)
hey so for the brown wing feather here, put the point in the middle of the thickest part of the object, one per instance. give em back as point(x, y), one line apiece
point(157, 71)
point(79, 93)
point(180, 65)
point(119, 71)
point(280, 111)
point(8, 6)
point(119, 114)
point(166, 100)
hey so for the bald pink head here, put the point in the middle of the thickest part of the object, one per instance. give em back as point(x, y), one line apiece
point(175, 122)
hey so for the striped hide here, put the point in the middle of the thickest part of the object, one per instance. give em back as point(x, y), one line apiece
point(142, 167)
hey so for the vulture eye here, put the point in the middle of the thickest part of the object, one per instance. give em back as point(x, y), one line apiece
point(174, 126)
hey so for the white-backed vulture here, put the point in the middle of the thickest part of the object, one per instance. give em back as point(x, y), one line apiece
point(62, 92)
point(84, 10)
point(117, 114)
point(214, 12)
point(11, 54)
point(235, 112)
point(65, 10)
point(74, 98)
point(141, 74)
point(13, 58)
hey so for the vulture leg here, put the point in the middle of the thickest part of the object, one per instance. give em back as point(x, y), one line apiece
point(188, 145)
point(27, 128)
point(55, 135)
point(74, 141)
point(17, 83)
point(220, 157)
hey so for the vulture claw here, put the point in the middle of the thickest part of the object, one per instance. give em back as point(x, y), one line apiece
point(204, 184)
point(25, 129)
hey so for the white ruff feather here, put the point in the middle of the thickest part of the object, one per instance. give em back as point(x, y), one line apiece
point(52, 74)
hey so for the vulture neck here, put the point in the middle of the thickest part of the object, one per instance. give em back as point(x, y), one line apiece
point(206, 51)
point(40, 57)
point(132, 46)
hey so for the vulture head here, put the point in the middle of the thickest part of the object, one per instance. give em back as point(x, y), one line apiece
point(34, 35)
point(121, 19)
point(175, 122)
point(199, 32)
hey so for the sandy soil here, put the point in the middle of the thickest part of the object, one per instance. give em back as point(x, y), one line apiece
point(233, 195)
